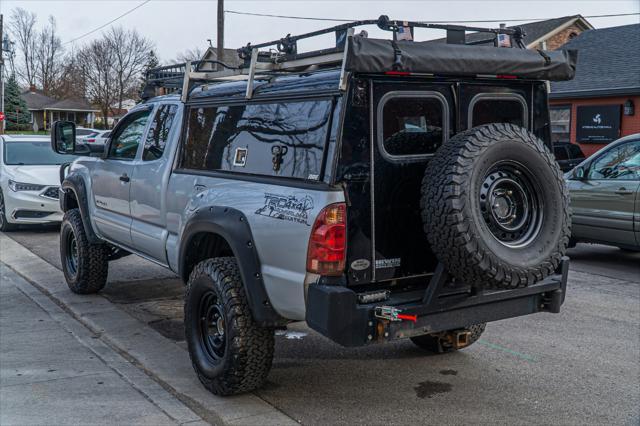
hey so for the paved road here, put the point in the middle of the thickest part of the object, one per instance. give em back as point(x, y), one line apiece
point(580, 366)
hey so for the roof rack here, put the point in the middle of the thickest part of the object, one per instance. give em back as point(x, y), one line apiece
point(271, 58)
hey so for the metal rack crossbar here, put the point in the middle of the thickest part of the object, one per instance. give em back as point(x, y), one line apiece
point(282, 55)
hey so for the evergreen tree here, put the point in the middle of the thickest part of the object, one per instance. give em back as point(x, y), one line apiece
point(152, 62)
point(15, 108)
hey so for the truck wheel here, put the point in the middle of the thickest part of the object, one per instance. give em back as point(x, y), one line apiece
point(495, 207)
point(439, 343)
point(230, 353)
point(85, 265)
point(5, 226)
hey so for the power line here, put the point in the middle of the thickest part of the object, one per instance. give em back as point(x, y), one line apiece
point(267, 15)
point(108, 23)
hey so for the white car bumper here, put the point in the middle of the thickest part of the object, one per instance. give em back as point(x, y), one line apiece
point(32, 206)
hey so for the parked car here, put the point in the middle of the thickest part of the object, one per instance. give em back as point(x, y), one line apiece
point(29, 181)
point(97, 138)
point(605, 196)
point(83, 132)
point(568, 155)
point(358, 192)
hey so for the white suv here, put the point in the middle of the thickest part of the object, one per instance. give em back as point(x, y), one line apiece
point(29, 181)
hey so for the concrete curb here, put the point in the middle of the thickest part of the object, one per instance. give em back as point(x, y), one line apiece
point(161, 359)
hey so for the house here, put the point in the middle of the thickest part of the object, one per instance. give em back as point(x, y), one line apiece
point(45, 110)
point(547, 35)
point(230, 58)
point(600, 104)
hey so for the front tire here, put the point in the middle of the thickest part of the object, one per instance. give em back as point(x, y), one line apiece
point(5, 226)
point(85, 266)
point(230, 353)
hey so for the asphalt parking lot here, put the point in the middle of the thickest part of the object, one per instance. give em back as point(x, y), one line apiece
point(577, 367)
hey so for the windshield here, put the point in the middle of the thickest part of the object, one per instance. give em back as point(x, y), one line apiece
point(33, 154)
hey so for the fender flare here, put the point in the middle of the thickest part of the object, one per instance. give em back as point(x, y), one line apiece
point(232, 225)
point(75, 183)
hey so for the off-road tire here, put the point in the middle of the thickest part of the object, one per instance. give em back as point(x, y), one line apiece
point(244, 362)
point(460, 232)
point(4, 225)
point(433, 342)
point(87, 274)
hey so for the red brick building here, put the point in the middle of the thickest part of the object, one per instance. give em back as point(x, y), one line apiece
point(601, 103)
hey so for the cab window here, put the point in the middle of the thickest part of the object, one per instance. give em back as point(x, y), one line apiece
point(127, 137)
point(158, 133)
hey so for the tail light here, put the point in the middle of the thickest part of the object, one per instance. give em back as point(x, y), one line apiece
point(328, 242)
point(91, 140)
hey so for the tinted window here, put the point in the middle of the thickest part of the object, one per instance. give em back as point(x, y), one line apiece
point(560, 123)
point(32, 154)
point(575, 151)
point(621, 162)
point(487, 111)
point(83, 132)
point(412, 126)
point(124, 143)
point(159, 132)
point(277, 139)
point(560, 153)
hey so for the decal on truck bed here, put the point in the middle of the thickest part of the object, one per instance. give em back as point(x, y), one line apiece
point(287, 207)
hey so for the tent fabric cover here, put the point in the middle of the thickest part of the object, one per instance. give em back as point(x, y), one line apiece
point(368, 55)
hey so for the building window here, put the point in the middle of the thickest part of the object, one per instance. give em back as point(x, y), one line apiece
point(560, 123)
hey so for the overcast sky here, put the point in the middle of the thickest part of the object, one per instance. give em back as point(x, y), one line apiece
point(177, 25)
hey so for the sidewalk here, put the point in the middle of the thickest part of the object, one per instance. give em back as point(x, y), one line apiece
point(54, 371)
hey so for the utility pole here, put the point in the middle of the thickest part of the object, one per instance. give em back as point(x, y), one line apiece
point(220, 40)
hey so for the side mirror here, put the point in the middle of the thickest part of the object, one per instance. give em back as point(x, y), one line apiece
point(579, 173)
point(63, 137)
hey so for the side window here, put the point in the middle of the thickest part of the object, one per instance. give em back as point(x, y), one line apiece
point(159, 132)
point(560, 152)
point(275, 139)
point(620, 163)
point(126, 138)
point(487, 109)
point(412, 125)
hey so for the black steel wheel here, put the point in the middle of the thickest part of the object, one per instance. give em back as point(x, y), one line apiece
point(4, 224)
point(510, 201)
point(85, 265)
point(495, 207)
point(230, 353)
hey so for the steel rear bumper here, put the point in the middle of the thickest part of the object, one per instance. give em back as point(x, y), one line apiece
point(334, 311)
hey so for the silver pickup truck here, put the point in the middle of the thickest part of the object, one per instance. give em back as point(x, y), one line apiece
point(378, 190)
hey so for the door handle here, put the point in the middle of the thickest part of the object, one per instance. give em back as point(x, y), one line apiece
point(624, 191)
point(124, 178)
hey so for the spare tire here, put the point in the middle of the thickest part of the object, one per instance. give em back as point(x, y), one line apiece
point(495, 207)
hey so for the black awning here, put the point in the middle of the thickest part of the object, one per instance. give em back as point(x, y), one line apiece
point(375, 56)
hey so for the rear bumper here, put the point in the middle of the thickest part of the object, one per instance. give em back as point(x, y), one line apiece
point(334, 311)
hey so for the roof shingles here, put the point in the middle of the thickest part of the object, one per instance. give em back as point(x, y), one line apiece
point(608, 61)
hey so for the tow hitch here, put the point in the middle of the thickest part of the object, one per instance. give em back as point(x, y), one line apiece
point(457, 339)
point(393, 314)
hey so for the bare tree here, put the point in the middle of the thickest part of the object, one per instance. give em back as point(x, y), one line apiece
point(130, 52)
point(194, 54)
point(49, 57)
point(22, 26)
point(95, 66)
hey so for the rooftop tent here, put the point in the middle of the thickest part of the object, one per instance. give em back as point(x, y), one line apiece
point(368, 55)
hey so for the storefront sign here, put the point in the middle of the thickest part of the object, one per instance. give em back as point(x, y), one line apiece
point(598, 123)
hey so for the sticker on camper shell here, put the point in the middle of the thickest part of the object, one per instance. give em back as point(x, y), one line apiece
point(388, 263)
point(360, 264)
point(287, 207)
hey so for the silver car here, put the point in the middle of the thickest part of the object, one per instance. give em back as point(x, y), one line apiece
point(605, 195)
